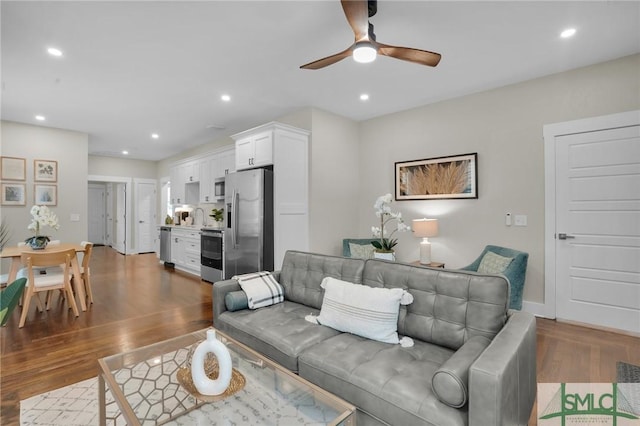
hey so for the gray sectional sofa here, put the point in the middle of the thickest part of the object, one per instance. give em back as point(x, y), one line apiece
point(473, 361)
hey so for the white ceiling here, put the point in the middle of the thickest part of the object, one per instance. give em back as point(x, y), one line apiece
point(133, 68)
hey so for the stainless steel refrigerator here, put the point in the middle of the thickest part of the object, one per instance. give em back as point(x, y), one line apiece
point(248, 239)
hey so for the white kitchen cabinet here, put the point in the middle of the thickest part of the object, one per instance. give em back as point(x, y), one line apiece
point(191, 171)
point(254, 150)
point(177, 184)
point(185, 249)
point(225, 163)
point(206, 179)
point(288, 150)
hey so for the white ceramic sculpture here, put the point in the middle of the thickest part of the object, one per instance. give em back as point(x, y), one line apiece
point(203, 384)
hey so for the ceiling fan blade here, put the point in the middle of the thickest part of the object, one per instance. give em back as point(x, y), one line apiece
point(329, 60)
point(357, 13)
point(417, 56)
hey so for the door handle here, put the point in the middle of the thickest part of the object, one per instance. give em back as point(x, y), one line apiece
point(563, 236)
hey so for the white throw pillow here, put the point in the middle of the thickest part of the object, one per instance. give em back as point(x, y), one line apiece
point(492, 263)
point(359, 309)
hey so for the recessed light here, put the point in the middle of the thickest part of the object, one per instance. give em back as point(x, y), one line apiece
point(155, 135)
point(569, 32)
point(40, 117)
point(364, 97)
point(54, 51)
point(225, 98)
point(125, 152)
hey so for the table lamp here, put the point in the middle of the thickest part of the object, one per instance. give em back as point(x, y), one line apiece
point(425, 228)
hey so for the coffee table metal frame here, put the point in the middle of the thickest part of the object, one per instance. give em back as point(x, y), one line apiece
point(112, 364)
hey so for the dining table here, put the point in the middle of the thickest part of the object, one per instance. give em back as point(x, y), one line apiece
point(15, 252)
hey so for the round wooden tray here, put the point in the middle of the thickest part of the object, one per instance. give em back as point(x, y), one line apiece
point(211, 369)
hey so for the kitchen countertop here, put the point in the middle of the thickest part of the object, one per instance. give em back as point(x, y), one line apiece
point(191, 226)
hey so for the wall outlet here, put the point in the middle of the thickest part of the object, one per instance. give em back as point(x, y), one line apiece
point(521, 220)
point(75, 217)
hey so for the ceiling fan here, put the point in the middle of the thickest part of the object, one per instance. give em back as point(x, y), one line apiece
point(365, 48)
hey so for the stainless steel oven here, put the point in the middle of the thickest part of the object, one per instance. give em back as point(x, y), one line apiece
point(212, 255)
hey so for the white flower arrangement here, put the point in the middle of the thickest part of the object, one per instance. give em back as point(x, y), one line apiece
point(384, 213)
point(42, 217)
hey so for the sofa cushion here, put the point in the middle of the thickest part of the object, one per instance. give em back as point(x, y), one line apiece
point(302, 274)
point(359, 309)
point(493, 263)
point(451, 381)
point(279, 331)
point(449, 306)
point(389, 382)
point(236, 300)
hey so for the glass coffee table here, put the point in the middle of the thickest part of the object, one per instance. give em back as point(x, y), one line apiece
point(140, 387)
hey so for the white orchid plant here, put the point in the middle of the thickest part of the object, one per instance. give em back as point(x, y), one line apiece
point(383, 211)
point(42, 217)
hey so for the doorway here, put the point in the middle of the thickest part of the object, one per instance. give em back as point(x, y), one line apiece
point(145, 199)
point(118, 208)
point(592, 236)
point(97, 213)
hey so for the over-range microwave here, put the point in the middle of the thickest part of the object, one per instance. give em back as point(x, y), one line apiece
point(218, 188)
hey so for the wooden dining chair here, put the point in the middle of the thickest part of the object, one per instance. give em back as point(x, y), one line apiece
point(84, 269)
point(37, 282)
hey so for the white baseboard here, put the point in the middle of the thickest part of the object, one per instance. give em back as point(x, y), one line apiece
point(537, 309)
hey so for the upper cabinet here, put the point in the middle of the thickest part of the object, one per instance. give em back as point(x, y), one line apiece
point(254, 150)
point(193, 180)
point(225, 163)
point(192, 171)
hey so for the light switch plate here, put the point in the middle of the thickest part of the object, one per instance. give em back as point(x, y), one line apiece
point(521, 220)
point(75, 217)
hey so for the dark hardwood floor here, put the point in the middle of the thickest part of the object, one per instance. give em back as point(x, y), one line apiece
point(138, 302)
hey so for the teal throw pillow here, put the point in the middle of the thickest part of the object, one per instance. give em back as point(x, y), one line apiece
point(361, 251)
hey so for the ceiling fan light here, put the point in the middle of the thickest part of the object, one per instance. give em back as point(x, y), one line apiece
point(364, 53)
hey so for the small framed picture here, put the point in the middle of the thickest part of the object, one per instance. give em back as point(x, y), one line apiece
point(12, 168)
point(45, 195)
point(13, 194)
point(45, 171)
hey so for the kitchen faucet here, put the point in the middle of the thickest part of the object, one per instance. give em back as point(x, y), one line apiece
point(195, 213)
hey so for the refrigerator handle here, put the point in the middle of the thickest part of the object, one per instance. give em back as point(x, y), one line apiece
point(234, 218)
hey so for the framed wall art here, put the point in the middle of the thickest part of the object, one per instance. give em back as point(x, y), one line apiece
point(45, 171)
point(45, 195)
point(455, 176)
point(13, 168)
point(13, 194)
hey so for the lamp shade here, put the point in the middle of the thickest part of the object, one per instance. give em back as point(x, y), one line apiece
point(425, 228)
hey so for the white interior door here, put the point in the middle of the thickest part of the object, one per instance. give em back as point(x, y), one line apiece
point(120, 242)
point(109, 240)
point(96, 212)
point(598, 227)
point(145, 199)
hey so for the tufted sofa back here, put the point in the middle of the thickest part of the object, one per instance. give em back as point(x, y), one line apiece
point(449, 307)
point(302, 274)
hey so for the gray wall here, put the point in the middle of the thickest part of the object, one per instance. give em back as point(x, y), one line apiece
point(69, 149)
point(504, 126)
point(122, 167)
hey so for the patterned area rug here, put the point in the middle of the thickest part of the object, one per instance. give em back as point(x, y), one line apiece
point(76, 404)
point(627, 373)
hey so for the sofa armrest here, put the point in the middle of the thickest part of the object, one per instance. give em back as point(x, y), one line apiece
point(502, 381)
point(220, 290)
